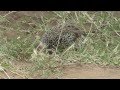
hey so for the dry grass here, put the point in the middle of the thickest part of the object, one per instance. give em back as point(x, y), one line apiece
point(19, 36)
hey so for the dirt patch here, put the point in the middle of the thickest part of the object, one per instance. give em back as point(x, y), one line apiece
point(86, 71)
point(91, 72)
point(19, 70)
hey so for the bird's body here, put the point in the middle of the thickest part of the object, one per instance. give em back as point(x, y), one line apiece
point(61, 38)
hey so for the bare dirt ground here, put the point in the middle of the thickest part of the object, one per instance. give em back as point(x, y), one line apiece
point(86, 71)
point(91, 72)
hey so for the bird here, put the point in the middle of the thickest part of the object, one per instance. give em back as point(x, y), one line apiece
point(61, 38)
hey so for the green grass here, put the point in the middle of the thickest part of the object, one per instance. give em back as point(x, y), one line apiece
point(101, 47)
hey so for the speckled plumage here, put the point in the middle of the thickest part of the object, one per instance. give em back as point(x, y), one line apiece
point(61, 38)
